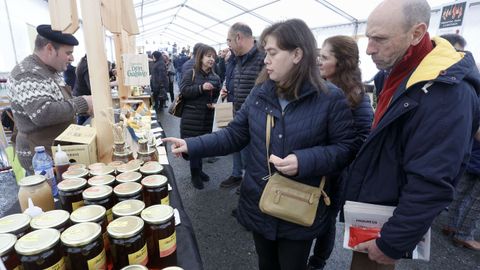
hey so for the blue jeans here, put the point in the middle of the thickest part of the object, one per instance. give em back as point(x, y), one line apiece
point(240, 162)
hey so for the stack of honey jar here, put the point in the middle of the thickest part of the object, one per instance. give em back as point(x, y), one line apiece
point(114, 216)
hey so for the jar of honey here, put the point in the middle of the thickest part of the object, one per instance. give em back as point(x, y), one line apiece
point(7, 252)
point(70, 193)
point(161, 235)
point(16, 224)
point(100, 195)
point(41, 249)
point(37, 188)
point(75, 173)
point(128, 191)
point(155, 190)
point(128, 241)
point(54, 219)
point(136, 162)
point(104, 170)
point(128, 208)
point(83, 244)
point(172, 268)
point(129, 177)
point(77, 166)
point(151, 167)
point(102, 180)
point(128, 167)
point(95, 166)
point(124, 157)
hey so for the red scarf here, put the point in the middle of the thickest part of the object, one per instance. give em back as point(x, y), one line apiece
point(400, 71)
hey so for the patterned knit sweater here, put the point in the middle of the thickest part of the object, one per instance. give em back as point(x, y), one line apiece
point(42, 106)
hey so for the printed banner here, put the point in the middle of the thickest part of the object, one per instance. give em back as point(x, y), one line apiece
point(136, 69)
point(451, 19)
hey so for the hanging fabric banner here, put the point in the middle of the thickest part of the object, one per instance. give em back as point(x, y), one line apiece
point(136, 69)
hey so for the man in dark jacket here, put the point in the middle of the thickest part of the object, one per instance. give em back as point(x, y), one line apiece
point(427, 114)
point(178, 63)
point(249, 63)
point(159, 81)
point(82, 85)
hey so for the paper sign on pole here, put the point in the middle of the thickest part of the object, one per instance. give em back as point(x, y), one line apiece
point(135, 68)
point(452, 17)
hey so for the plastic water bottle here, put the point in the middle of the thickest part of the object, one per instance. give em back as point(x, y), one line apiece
point(43, 164)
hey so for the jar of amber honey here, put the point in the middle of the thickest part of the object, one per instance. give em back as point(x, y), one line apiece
point(75, 173)
point(115, 164)
point(41, 249)
point(136, 162)
point(128, 241)
point(129, 177)
point(54, 219)
point(37, 188)
point(95, 166)
point(128, 191)
point(16, 224)
point(161, 235)
point(128, 208)
point(103, 170)
point(151, 167)
point(102, 180)
point(70, 193)
point(9, 257)
point(155, 190)
point(128, 167)
point(100, 195)
point(76, 166)
point(83, 244)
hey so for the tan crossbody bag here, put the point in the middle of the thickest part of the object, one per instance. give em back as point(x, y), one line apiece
point(287, 199)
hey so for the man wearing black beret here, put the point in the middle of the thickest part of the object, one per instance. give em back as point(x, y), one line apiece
point(42, 103)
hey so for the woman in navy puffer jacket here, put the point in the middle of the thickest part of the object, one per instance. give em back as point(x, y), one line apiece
point(312, 136)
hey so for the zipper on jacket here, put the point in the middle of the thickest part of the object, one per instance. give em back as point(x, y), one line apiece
point(279, 194)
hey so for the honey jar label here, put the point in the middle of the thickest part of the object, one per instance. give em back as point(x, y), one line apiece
point(165, 200)
point(106, 242)
point(18, 268)
point(168, 245)
point(139, 257)
point(60, 265)
point(99, 262)
point(76, 205)
point(109, 215)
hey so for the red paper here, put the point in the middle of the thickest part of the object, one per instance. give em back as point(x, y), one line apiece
point(361, 234)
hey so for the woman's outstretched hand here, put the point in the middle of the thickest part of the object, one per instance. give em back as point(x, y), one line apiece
point(178, 147)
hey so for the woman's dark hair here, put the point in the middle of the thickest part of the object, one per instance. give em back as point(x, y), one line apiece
point(347, 72)
point(290, 35)
point(203, 50)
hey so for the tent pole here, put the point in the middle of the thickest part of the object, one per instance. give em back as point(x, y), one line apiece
point(11, 32)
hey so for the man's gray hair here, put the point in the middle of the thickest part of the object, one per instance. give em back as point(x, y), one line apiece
point(241, 28)
point(41, 42)
point(416, 11)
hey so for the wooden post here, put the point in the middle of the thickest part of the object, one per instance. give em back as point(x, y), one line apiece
point(64, 15)
point(98, 71)
point(123, 91)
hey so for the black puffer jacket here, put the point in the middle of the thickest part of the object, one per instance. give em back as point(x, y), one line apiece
point(197, 117)
point(246, 72)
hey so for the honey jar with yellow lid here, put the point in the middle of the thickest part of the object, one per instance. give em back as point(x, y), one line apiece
point(7, 252)
point(16, 224)
point(128, 191)
point(41, 249)
point(155, 190)
point(100, 195)
point(70, 193)
point(102, 180)
point(128, 208)
point(151, 167)
point(103, 170)
point(129, 177)
point(54, 219)
point(75, 173)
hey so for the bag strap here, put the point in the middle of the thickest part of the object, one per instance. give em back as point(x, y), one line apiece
point(268, 128)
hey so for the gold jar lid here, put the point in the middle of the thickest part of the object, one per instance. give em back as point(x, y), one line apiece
point(128, 208)
point(151, 167)
point(101, 180)
point(138, 162)
point(71, 184)
point(95, 166)
point(80, 234)
point(104, 170)
point(172, 268)
point(75, 173)
point(31, 180)
point(37, 241)
point(125, 227)
point(14, 222)
point(116, 163)
point(7, 241)
point(135, 267)
point(155, 180)
point(49, 219)
point(76, 166)
point(97, 192)
point(88, 213)
point(126, 189)
point(129, 177)
point(128, 167)
point(157, 214)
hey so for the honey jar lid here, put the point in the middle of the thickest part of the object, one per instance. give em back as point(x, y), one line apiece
point(77, 166)
point(72, 184)
point(31, 180)
point(128, 208)
point(97, 192)
point(14, 222)
point(172, 268)
point(80, 234)
point(37, 241)
point(7, 241)
point(95, 166)
point(103, 170)
point(135, 267)
point(125, 227)
point(100, 180)
point(49, 219)
point(116, 163)
point(157, 214)
point(128, 167)
point(151, 167)
point(129, 177)
point(75, 173)
point(126, 189)
point(155, 180)
point(88, 213)
point(138, 162)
